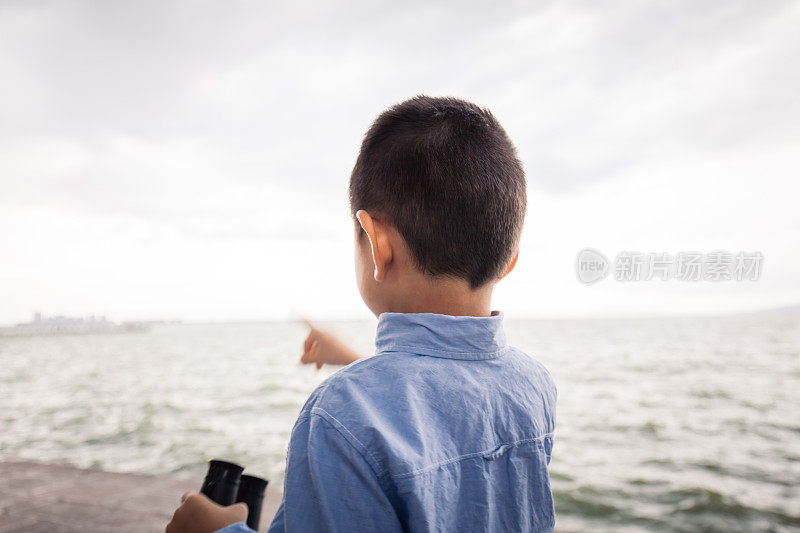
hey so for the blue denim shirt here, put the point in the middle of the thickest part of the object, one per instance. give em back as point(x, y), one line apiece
point(446, 428)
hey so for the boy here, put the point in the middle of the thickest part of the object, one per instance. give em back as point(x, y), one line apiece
point(446, 427)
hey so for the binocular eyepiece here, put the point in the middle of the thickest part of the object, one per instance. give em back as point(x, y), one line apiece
point(225, 484)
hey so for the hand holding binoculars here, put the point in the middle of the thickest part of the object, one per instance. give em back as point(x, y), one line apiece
point(225, 484)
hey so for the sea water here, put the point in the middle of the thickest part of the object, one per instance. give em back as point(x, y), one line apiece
point(674, 424)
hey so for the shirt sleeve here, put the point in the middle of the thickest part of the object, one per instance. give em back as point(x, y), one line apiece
point(238, 527)
point(329, 485)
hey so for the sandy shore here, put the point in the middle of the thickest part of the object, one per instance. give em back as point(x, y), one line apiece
point(54, 498)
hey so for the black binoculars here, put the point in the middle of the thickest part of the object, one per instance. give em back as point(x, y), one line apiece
point(225, 484)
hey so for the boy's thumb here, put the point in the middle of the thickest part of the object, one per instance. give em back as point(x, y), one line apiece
point(240, 508)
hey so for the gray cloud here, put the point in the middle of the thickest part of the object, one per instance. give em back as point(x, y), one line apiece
point(586, 90)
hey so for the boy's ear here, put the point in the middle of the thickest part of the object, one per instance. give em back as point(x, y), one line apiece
point(511, 265)
point(378, 241)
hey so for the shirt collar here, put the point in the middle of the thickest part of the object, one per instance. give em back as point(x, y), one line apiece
point(452, 337)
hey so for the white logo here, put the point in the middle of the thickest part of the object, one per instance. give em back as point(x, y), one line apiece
point(591, 266)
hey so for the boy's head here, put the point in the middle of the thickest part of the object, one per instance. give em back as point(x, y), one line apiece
point(439, 195)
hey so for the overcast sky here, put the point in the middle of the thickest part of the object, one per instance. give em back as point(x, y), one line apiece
point(184, 160)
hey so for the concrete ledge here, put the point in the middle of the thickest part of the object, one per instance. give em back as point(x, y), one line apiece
point(38, 497)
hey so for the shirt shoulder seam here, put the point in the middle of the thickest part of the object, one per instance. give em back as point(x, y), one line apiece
point(350, 438)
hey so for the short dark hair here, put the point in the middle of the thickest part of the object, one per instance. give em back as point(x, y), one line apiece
point(446, 175)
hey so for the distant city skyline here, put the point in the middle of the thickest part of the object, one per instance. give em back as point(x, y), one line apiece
point(162, 160)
